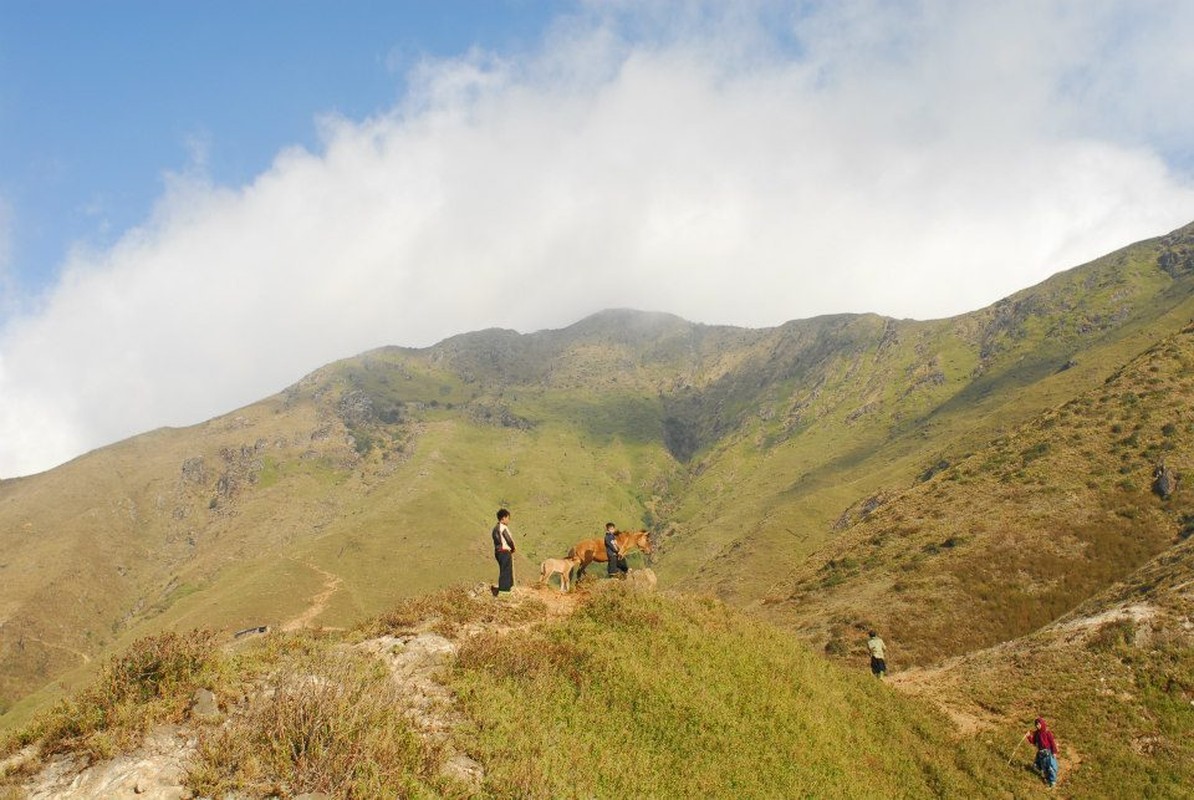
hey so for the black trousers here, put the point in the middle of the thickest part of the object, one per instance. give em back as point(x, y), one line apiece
point(614, 563)
point(505, 561)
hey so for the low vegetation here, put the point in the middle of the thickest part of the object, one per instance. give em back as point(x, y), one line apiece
point(633, 694)
point(1114, 676)
point(988, 473)
point(151, 683)
point(1004, 541)
point(641, 695)
point(322, 720)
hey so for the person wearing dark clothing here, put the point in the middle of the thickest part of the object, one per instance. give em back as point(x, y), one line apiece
point(503, 551)
point(615, 563)
point(1046, 751)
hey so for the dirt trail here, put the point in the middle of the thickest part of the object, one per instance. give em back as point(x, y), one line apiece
point(319, 603)
point(417, 658)
point(936, 686)
point(79, 653)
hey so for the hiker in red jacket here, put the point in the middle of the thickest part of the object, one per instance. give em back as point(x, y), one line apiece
point(1046, 751)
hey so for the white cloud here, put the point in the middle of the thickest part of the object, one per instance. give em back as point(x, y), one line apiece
point(911, 159)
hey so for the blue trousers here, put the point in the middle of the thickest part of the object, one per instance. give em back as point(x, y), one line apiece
point(1046, 764)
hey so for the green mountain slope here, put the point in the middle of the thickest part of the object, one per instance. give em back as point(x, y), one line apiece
point(910, 396)
point(1010, 538)
point(376, 478)
point(1115, 676)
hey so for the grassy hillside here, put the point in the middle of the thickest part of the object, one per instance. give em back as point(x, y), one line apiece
point(1115, 676)
point(1010, 538)
point(908, 397)
point(630, 694)
point(376, 478)
point(385, 492)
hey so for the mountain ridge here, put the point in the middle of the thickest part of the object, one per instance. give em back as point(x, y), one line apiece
point(738, 448)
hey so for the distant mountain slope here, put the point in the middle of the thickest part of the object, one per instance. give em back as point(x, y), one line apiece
point(906, 397)
point(1008, 539)
point(376, 477)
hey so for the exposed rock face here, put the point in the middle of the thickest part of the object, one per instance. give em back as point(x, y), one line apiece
point(1164, 481)
point(643, 579)
point(355, 409)
point(1177, 259)
point(194, 471)
point(204, 707)
point(414, 661)
point(154, 771)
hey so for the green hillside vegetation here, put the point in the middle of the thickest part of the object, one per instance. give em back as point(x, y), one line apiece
point(1115, 676)
point(999, 544)
point(632, 694)
point(913, 395)
point(979, 475)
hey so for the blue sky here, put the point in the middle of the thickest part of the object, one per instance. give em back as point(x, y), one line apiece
point(201, 202)
point(98, 99)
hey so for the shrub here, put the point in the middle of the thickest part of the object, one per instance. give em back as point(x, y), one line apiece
point(329, 722)
point(151, 682)
point(1111, 635)
point(1036, 451)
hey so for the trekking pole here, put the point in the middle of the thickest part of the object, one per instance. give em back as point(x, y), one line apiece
point(1019, 742)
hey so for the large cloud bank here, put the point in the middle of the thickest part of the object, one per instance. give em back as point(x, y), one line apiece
point(912, 159)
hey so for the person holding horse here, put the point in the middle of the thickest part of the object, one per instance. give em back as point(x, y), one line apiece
point(615, 562)
point(503, 552)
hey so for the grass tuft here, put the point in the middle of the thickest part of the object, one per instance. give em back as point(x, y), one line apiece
point(152, 682)
point(327, 721)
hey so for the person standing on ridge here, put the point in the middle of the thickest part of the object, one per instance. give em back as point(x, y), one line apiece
point(615, 564)
point(878, 651)
point(1046, 751)
point(503, 551)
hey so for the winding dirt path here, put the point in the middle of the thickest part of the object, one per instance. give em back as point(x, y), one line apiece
point(86, 658)
point(934, 685)
point(319, 603)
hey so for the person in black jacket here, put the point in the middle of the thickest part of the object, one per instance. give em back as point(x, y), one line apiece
point(615, 563)
point(503, 551)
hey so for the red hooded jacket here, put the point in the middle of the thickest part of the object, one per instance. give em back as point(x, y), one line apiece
point(1043, 737)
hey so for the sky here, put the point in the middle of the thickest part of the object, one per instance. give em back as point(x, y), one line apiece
point(201, 202)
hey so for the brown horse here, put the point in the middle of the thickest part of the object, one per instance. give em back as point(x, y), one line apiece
point(591, 550)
